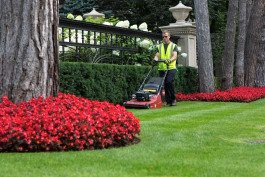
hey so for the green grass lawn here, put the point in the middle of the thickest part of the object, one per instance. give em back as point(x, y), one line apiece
point(192, 139)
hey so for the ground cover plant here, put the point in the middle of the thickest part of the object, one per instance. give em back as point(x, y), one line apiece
point(64, 123)
point(236, 94)
point(192, 139)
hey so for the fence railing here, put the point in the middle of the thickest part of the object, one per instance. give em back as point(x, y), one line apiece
point(90, 42)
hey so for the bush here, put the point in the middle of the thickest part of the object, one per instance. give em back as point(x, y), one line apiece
point(101, 81)
point(64, 123)
point(186, 80)
point(115, 83)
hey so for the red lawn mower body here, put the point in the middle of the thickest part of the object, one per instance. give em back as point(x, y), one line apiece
point(154, 102)
point(150, 93)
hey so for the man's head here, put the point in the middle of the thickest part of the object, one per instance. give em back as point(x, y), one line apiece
point(166, 37)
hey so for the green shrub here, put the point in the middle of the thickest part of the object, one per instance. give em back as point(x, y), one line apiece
point(186, 80)
point(115, 83)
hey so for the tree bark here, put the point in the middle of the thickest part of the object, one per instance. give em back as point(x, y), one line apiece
point(29, 49)
point(249, 8)
point(229, 51)
point(205, 59)
point(239, 75)
point(260, 70)
point(254, 49)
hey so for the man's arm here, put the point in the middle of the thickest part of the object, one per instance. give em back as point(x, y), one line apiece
point(157, 56)
point(174, 56)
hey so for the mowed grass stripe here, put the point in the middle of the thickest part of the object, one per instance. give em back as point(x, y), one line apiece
point(183, 107)
point(206, 144)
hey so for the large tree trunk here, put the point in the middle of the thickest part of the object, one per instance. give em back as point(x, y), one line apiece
point(260, 70)
point(229, 51)
point(29, 49)
point(205, 60)
point(254, 49)
point(240, 56)
point(249, 8)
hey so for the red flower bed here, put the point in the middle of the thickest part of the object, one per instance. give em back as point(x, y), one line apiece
point(236, 94)
point(64, 123)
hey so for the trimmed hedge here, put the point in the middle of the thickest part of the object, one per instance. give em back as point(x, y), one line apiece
point(186, 80)
point(115, 83)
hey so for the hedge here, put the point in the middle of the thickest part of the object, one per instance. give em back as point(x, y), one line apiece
point(115, 83)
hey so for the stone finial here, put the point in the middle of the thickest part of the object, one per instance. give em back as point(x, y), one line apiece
point(94, 14)
point(180, 12)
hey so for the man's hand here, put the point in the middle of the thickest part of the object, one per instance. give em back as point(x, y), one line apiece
point(167, 61)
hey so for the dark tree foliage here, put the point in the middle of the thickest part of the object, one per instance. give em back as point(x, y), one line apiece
point(77, 7)
point(218, 14)
point(154, 12)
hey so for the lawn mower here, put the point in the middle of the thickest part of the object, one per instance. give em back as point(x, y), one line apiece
point(149, 95)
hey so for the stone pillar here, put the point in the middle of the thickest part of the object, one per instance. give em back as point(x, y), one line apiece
point(186, 31)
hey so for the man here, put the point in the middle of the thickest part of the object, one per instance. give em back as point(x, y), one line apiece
point(167, 51)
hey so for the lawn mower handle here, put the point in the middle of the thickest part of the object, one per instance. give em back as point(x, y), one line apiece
point(153, 65)
point(159, 61)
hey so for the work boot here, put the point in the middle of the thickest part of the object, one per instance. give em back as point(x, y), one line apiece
point(167, 104)
point(174, 103)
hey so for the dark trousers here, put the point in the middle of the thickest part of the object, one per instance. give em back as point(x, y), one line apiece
point(169, 85)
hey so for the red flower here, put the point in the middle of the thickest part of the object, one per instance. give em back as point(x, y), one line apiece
point(64, 123)
point(236, 94)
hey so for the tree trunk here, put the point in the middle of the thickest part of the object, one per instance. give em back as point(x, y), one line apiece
point(249, 8)
point(229, 51)
point(29, 49)
point(260, 70)
point(239, 75)
point(254, 49)
point(205, 59)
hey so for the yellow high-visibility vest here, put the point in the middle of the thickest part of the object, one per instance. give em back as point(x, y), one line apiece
point(166, 56)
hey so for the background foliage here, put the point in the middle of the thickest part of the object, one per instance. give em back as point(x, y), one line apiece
point(155, 13)
point(78, 7)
